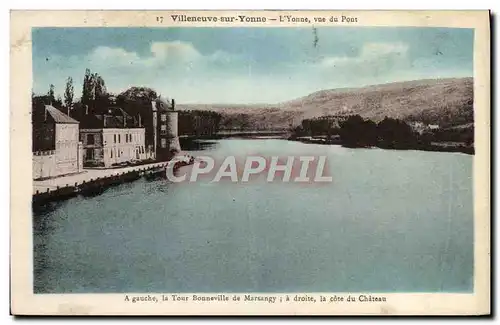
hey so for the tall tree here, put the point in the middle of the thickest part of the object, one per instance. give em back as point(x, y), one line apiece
point(94, 89)
point(99, 87)
point(50, 94)
point(69, 94)
point(87, 88)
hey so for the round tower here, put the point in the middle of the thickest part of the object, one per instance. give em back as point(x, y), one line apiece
point(167, 137)
point(172, 130)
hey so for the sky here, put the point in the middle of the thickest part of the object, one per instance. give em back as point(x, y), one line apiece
point(247, 65)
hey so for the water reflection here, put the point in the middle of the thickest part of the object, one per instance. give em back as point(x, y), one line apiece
point(191, 144)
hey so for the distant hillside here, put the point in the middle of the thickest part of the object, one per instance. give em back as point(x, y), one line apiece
point(447, 102)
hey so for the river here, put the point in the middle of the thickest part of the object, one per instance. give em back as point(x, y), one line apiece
point(390, 221)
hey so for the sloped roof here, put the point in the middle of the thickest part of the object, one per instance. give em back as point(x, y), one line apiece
point(111, 117)
point(112, 122)
point(58, 116)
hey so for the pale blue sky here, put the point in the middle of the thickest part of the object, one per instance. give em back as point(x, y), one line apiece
point(247, 65)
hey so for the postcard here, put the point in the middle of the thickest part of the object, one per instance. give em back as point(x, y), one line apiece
point(250, 163)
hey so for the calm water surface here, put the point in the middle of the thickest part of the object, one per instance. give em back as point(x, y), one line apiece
point(390, 221)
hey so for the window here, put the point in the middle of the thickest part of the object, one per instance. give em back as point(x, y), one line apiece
point(163, 127)
point(89, 154)
point(119, 138)
point(114, 137)
point(111, 152)
point(90, 139)
point(118, 153)
point(163, 117)
point(163, 142)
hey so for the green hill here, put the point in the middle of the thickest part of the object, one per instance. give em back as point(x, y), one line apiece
point(447, 102)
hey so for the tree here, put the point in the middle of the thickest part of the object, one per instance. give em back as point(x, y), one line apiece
point(94, 92)
point(99, 91)
point(69, 94)
point(395, 134)
point(99, 87)
point(138, 94)
point(356, 132)
point(138, 100)
point(50, 94)
point(87, 88)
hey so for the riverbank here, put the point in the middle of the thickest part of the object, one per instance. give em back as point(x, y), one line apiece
point(86, 176)
point(433, 146)
point(245, 134)
point(94, 181)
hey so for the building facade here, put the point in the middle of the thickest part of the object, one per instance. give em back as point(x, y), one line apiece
point(113, 138)
point(421, 127)
point(56, 147)
point(107, 147)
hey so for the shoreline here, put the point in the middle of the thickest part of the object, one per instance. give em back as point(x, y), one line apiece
point(94, 182)
point(434, 147)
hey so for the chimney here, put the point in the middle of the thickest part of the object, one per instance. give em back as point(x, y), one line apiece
point(124, 119)
point(104, 120)
point(86, 109)
point(153, 105)
point(139, 118)
point(45, 118)
point(173, 104)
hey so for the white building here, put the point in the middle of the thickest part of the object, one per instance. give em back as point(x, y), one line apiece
point(421, 127)
point(56, 149)
point(112, 139)
point(106, 147)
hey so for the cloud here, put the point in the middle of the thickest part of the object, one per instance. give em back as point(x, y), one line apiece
point(167, 66)
point(382, 49)
point(174, 52)
point(371, 55)
point(162, 54)
point(112, 56)
point(375, 63)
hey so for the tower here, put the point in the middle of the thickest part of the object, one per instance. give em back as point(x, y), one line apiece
point(155, 128)
point(165, 125)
